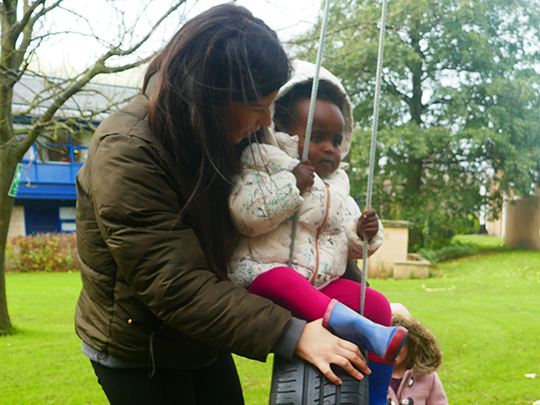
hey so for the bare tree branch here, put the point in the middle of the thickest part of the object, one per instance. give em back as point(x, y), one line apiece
point(118, 69)
point(27, 30)
point(9, 13)
point(119, 52)
point(89, 26)
point(98, 68)
point(8, 4)
point(27, 16)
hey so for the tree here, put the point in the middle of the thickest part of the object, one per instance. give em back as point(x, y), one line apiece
point(460, 108)
point(24, 33)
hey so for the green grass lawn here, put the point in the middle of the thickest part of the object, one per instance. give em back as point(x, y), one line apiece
point(43, 363)
point(484, 311)
point(482, 242)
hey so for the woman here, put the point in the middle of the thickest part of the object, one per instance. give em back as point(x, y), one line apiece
point(157, 314)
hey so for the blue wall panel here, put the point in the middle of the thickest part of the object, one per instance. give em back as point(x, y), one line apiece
point(50, 172)
point(47, 191)
point(39, 220)
point(51, 180)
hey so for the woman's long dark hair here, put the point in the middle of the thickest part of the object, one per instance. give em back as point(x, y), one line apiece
point(223, 55)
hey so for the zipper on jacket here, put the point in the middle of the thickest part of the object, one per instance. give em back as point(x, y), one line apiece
point(319, 232)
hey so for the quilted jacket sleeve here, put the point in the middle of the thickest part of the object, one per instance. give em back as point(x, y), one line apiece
point(265, 194)
point(160, 257)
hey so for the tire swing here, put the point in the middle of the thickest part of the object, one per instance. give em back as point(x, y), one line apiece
point(297, 382)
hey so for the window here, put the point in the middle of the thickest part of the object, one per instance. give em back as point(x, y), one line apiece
point(67, 219)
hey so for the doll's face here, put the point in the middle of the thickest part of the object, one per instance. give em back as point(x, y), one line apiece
point(402, 356)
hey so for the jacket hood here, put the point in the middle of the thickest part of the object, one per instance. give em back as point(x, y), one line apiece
point(304, 72)
point(429, 355)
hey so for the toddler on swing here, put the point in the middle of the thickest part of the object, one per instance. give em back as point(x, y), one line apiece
point(273, 185)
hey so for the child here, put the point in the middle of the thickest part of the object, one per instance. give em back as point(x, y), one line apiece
point(330, 229)
point(415, 380)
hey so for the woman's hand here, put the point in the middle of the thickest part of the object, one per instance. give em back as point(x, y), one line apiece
point(305, 174)
point(321, 348)
point(368, 224)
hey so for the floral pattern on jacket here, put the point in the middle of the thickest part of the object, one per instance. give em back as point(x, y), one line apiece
point(262, 205)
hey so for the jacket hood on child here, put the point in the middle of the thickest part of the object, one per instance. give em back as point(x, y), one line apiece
point(303, 72)
point(429, 358)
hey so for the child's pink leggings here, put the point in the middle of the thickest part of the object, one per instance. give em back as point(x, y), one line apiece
point(291, 290)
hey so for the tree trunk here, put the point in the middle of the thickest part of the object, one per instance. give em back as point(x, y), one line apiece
point(417, 72)
point(7, 169)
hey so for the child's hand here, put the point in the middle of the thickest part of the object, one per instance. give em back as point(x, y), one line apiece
point(368, 224)
point(305, 174)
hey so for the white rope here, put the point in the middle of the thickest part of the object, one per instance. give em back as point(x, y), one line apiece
point(312, 102)
point(374, 126)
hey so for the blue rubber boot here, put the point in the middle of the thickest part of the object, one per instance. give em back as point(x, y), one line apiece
point(379, 381)
point(385, 342)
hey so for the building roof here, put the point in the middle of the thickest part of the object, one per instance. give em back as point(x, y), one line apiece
point(39, 91)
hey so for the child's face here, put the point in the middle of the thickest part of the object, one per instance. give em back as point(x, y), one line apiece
point(326, 135)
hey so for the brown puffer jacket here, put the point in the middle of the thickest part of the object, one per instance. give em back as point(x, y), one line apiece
point(143, 271)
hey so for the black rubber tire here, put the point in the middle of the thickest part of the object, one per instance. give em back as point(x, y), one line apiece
point(296, 382)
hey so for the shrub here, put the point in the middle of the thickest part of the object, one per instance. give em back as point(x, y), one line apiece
point(449, 252)
point(50, 252)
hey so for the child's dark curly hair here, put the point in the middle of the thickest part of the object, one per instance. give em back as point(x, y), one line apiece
point(285, 111)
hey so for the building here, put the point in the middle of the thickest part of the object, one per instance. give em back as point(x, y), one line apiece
point(46, 197)
point(519, 222)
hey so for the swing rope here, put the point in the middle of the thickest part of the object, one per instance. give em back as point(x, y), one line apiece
point(312, 101)
point(374, 126)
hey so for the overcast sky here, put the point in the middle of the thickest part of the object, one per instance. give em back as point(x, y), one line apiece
point(287, 17)
point(63, 54)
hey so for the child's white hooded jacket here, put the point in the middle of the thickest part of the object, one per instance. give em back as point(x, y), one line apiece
point(265, 198)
